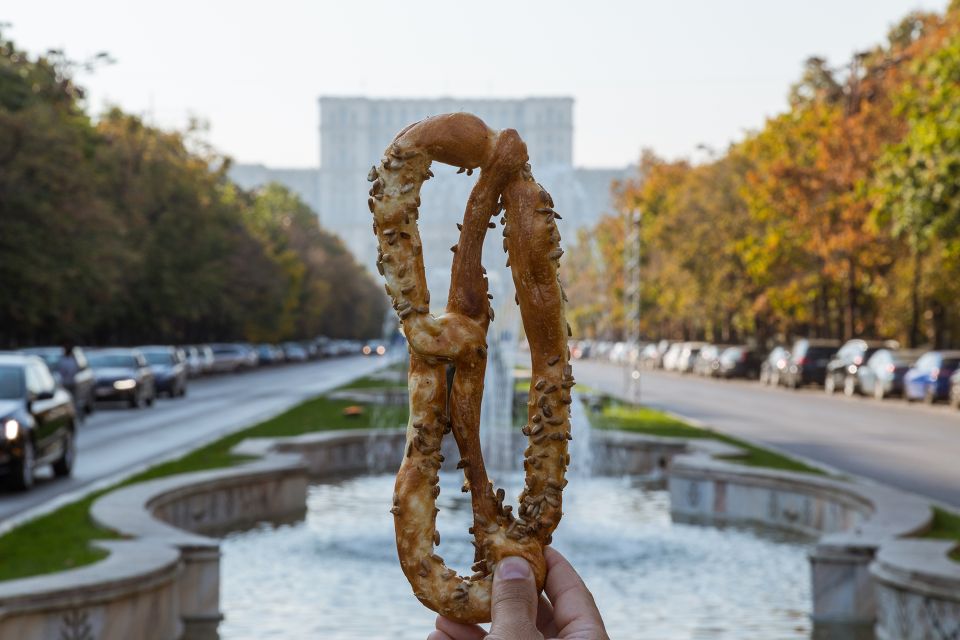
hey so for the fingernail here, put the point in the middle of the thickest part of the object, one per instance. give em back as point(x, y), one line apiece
point(513, 569)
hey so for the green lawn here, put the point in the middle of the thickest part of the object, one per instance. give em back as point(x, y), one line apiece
point(61, 539)
point(946, 526)
point(608, 413)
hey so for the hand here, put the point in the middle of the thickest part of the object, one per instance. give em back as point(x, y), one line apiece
point(569, 614)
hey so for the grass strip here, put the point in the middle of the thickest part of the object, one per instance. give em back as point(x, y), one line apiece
point(60, 540)
point(609, 413)
point(946, 526)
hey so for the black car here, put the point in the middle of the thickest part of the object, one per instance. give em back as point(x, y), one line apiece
point(882, 375)
point(123, 374)
point(808, 362)
point(774, 365)
point(37, 421)
point(74, 372)
point(739, 362)
point(169, 366)
point(842, 369)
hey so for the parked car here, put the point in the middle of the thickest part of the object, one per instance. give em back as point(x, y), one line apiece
point(194, 361)
point(228, 358)
point(269, 354)
point(650, 356)
point(206, 358)
point(671, 357)
point(76, 376)
point(808, 362)
point(955, 389)
point(688, 356)
point(842, 368)
point(294, 352)
point(738, 362)
point(929, 378)
point(374, 349)
point(37, 421)
point(708, 361)
point(123, 374)
point(169, 367)
point(882, 375)
point(774, 366)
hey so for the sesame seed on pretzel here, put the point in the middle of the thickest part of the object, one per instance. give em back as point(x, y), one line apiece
point(448, 354)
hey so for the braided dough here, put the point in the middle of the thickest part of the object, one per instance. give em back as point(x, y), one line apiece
point(448, 354)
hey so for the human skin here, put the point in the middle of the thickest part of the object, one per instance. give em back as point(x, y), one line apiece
point(566, 610)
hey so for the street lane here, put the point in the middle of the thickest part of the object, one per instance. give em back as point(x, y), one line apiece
point(117, 439)
point(915, 447)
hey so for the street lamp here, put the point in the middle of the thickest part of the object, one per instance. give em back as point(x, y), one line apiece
point(632, 289)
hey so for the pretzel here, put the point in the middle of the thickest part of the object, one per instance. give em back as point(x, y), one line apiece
point(448, 354)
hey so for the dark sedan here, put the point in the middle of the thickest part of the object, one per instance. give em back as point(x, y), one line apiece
point(842, 368)
point(37, 421)
point(882, 375)
point(123, 374)
point(739, 362)
point(929, 378)
point(169, 366)
point(75, 373)
point(808, 362)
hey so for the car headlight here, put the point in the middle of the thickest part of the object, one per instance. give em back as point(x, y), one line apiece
point(11, 429)
point(123, 385)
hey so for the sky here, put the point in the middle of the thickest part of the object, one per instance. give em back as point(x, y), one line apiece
point(671, 76)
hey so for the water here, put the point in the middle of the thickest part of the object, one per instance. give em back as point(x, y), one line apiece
point(336, 576)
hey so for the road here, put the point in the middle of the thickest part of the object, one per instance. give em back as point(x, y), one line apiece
point(115, 440)
point(912, 447)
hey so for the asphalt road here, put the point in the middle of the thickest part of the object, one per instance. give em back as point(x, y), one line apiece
point(115, 439)
point(913, 447)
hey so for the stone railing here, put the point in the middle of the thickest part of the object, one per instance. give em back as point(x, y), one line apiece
point(163, 581)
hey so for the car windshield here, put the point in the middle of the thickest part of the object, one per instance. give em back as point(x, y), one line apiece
point(158, 357)
point(52, 358)
point(11, 387)
point(950, 363)
point(820, 352)
point(108, 360)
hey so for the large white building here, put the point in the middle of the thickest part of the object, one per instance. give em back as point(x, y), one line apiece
point(354, 131)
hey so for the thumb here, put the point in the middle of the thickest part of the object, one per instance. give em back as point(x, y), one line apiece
point(514, 607)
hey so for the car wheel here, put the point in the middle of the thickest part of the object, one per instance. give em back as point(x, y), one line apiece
point(830, 385)
point(135, 401)
point(955, 396)
point(928, 396)
point(22, 477)
point(183, 390)
point(64, 465)
point(850, 386)
point(878, 391)
point(150, 400)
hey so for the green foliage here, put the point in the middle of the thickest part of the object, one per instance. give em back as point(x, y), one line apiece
point(838, 218)
point(945, 526)
point(114, 231)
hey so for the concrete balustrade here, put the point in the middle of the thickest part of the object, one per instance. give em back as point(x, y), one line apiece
point(163, 581)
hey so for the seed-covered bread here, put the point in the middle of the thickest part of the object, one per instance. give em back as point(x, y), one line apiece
point(448, 354)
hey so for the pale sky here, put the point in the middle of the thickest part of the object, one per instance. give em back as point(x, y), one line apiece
point(664, 74)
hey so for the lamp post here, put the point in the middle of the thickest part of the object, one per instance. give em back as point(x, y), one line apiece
point(632, 288)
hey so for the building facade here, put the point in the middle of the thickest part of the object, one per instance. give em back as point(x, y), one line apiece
point(354, 131)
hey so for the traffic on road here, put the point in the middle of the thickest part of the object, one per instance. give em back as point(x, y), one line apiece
point(47, 393)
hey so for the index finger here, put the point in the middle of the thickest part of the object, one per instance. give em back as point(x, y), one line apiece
point(573, 603)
